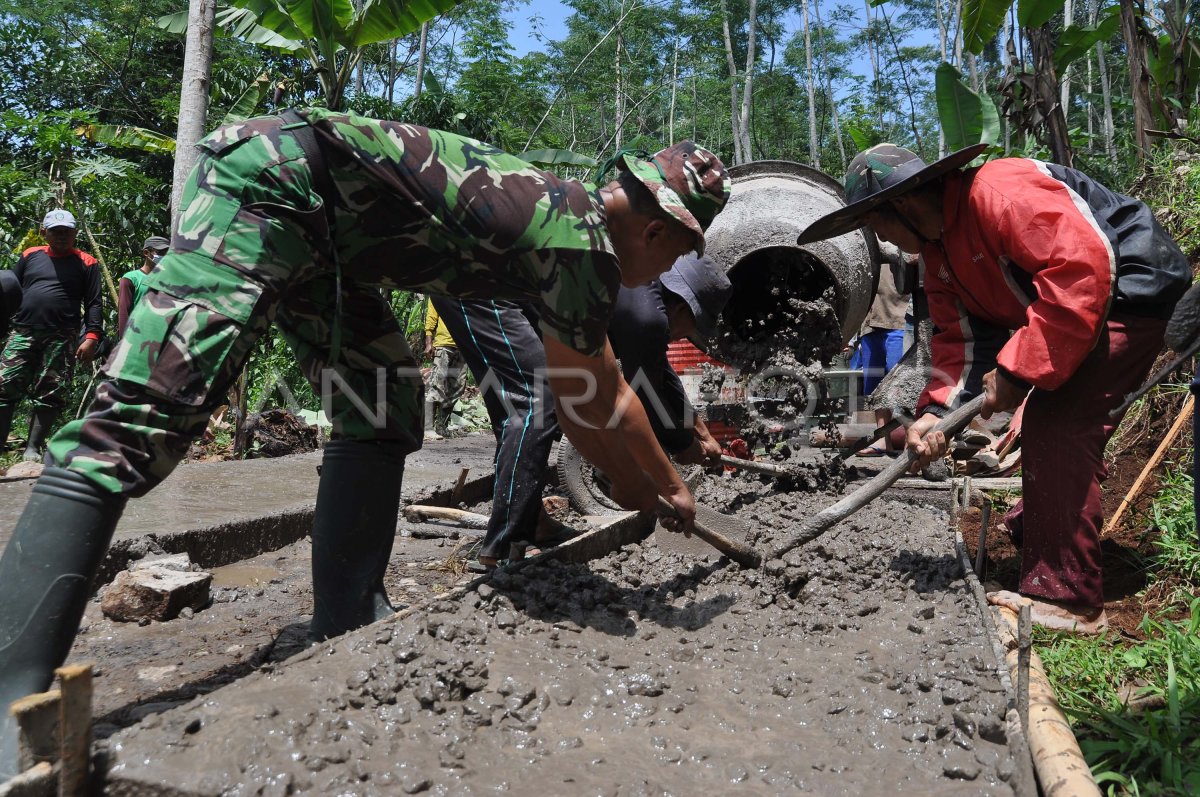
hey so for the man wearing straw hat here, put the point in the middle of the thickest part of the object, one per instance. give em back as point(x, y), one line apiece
point(1044, 284)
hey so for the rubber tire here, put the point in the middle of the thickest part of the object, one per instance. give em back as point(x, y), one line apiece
point(577, 479)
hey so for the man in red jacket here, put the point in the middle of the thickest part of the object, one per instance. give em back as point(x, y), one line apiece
point(1082, 277)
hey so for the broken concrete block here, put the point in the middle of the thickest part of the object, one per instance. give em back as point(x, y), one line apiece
point(24, 470)
point(154, 592)
point(179, 562)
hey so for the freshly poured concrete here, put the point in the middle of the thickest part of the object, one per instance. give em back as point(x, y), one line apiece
point(861, 668)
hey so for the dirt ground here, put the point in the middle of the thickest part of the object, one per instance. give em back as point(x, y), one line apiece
point(859, 668)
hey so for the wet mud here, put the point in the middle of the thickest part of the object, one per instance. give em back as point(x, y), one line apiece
point(858, 667)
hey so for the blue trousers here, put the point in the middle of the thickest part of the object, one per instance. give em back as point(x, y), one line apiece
point(878, 352)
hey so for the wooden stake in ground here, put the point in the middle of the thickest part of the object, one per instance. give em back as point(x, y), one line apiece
point(1185, 415)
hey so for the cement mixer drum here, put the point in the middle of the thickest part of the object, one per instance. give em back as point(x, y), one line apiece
point(779, 287)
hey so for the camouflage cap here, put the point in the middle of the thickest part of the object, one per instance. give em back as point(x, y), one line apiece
point(688, 182)
point(878, 175)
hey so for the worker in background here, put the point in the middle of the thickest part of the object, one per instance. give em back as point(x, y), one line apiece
point(504, 351)
point(447, 379)
point(60, 294)
point(1041, 283)
point(881, 339)
point(132, 285)
point(297, 220)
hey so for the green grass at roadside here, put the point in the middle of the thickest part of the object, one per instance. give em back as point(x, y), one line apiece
point(1135, 706)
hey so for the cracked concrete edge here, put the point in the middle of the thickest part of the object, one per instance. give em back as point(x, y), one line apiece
point(1024, 782)
point(235, 540)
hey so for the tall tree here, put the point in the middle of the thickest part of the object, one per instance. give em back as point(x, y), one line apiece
point(193, 96)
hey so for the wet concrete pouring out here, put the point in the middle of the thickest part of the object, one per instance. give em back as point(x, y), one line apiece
point(858, 667)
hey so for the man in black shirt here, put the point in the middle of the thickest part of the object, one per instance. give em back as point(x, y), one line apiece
point(500, 344)
point(57, 280)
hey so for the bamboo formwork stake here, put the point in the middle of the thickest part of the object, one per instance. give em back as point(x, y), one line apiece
point(1184, 415)
point(1061, 768)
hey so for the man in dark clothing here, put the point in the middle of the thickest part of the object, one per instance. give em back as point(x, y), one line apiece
point(500, 344)
point(132, 285)
point(1085, 278)
point(683, 303)
point(39, 357)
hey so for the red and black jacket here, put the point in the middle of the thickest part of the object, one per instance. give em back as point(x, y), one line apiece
point(55, 288)
point(1044, 250)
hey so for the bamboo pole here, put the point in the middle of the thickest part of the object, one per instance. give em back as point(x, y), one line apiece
point(1185, 415)
point(1060, 766)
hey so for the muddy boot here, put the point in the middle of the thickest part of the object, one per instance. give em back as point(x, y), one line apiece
point(46, 576)
point(39, 427)
point(441, 418)
point(6, 416)
point(432, 409)
point(358, 505)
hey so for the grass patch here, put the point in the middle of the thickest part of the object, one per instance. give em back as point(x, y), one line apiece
point(1135, 707)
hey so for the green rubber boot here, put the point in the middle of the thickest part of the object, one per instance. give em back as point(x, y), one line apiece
point(46, 576)
point(358, 504)
point(39, 427)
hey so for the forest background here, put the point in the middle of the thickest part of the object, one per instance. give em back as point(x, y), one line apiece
point(100, 101)
point(91, 106)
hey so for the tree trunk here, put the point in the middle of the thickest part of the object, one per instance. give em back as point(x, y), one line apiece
point(619, 101)
point(814, 156)
point(941, 23)
point(421, 48)
point(391, 73)
point(748, 83)
point(1065, 89)
point(837, 127)
point(1139, 76)
point(193, 95)
point(674, 84)
point(873, 52)
point(1046, 94)
point(1110, 148)
point(738, 155)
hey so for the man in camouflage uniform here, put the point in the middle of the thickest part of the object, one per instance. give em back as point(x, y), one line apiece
point(57, 280)
point(296, 221)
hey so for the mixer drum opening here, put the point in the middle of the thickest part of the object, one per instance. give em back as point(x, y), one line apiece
point(783, 298)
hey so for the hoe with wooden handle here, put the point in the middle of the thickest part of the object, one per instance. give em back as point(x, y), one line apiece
point(819, 523)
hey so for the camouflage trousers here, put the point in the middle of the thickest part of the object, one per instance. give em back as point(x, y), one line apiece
point(254, 248)
point(39, 363)
point(448, 378)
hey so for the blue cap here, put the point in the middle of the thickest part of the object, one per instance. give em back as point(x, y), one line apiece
point(701, 283)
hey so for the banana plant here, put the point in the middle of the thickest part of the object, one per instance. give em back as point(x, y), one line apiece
point(967, 118)
point(329, 34)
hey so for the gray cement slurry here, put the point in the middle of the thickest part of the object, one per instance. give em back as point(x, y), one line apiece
point(859, 668)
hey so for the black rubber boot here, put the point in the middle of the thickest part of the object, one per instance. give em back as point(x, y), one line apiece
point(358, 504)
point(39, 427)
point(46, 576)
point(6, 417)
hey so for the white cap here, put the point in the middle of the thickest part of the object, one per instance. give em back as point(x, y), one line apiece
point(58, 218)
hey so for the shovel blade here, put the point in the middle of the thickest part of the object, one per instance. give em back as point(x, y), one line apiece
point(732, 527)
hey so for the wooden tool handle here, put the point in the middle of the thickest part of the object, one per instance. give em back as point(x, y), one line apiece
point(416, 513)
point(737, 551)
point(819, 523)
point(755, 465)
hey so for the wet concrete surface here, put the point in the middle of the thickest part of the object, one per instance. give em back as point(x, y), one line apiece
point(222, 512)
point(859, 668)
